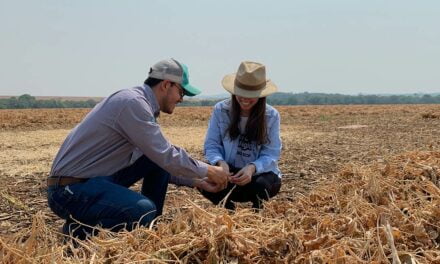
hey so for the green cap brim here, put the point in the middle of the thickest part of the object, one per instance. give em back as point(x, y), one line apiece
point(190, 90)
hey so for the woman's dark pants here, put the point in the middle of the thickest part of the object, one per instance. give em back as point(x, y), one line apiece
point(262, 187)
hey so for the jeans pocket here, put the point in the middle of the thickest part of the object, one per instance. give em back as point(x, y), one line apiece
point(59, 199)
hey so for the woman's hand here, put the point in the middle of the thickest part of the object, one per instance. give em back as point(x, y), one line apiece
point(243, 176)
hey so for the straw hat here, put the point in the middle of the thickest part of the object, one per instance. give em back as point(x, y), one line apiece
point(249, 81)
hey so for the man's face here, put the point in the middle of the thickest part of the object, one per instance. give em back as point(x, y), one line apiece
point(173, 97)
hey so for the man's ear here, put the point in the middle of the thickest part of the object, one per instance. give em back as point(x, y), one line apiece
point(165, 85)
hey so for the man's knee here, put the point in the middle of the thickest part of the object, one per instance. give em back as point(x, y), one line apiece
point(165, 175)
point(145, 212)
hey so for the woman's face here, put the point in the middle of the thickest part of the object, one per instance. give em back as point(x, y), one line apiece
point(246, 104)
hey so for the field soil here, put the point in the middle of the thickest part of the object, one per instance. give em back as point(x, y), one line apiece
point(319, 143)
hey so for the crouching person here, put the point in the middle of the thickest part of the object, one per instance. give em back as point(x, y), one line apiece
point(119, 143)
point(244, 138)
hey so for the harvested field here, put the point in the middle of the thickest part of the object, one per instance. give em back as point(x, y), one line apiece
point(361, 184)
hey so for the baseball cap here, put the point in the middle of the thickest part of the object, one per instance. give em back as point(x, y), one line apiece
point(174, 71)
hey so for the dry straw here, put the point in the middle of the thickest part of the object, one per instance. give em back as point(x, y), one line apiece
point(387, 212)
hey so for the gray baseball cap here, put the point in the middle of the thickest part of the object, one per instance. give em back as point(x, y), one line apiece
point(174, 71)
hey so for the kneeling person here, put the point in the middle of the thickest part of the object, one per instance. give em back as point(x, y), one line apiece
point(118, 143)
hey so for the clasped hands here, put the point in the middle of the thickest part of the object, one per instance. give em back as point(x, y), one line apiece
point(219, 176)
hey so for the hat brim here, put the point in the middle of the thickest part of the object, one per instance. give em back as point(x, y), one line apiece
point(190, 90)
point(228, 83)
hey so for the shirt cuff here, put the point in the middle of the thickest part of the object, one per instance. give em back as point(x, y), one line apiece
point(203, 170)
point(258, 167)
point(214, 160)
point(181, 181)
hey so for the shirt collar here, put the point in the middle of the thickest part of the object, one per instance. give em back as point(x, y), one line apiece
point(152, 99)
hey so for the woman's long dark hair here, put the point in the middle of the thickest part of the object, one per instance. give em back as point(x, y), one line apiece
point(256, 124)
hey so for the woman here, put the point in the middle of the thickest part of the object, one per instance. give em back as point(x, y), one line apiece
point(244, 138)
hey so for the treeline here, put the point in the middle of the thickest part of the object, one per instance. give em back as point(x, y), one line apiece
point(341, 99)
point(28, 101)
point(333, 99)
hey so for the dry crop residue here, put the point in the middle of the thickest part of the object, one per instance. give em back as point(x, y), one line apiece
point(360, 195)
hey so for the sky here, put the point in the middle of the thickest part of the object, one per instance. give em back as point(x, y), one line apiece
point(96, 47)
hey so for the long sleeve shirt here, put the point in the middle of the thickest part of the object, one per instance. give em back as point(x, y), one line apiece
point(240, 152)
point(115, 133)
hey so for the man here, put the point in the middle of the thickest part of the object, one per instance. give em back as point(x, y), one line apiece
point(119, 143)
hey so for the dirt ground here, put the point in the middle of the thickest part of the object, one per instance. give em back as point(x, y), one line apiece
point(317, 142)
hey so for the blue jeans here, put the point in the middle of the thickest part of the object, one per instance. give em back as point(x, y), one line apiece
point(106, 201)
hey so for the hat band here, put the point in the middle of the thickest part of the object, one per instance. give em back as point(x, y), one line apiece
point(249, 87)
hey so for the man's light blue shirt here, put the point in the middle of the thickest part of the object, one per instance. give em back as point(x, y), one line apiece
point(119, 130)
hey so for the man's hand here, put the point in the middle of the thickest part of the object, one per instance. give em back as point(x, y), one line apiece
point(243, 176)
point(218, 176)
point(208, 186)
point(224, 165)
